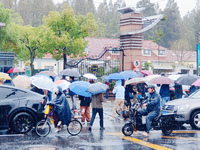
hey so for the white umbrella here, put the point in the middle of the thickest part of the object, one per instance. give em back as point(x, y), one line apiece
point(97, 88)
point(43, 83)
point(90, 76)
point(174, 76)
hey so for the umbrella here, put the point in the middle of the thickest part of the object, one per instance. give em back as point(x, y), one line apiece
point(80, 87)
point(15, 70)
point(187, 79)
point(196, 83)
point(161, 80)
point(115, 76)
point(62, 83)
point(49, 73)
point(174, 76)
point(146, 72)
point(148, 78)
point(90, 76)
point(4, 76)
point(128, 74)
point(104, 77)
point(43, 83)
point(38, 76)
point(22, 81)
point(97, 88)
point(139, 74)
point(70, 72)
point(135, 81)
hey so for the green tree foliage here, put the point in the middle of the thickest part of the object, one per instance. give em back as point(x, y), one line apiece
point(32, 43)
point(171, 27)
point(69, 32)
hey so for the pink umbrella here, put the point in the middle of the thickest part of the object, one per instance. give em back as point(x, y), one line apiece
point(161, 80)
point(62, 83)
point(15, 70)
point(196, 83)
point(146, 72)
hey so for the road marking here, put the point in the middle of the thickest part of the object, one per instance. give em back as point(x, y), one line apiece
point(183, 138)
point(185, 131)
point(140, 142)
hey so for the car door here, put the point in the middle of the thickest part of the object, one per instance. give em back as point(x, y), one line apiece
point(8, 101)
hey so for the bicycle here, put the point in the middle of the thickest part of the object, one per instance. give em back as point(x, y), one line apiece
point(43, 127)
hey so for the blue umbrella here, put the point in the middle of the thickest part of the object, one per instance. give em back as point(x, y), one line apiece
point(97, 88)
point(115, 76)
point(79, 87)
point(129, 74)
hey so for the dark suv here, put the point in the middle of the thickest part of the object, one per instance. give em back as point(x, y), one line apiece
point(20, 109)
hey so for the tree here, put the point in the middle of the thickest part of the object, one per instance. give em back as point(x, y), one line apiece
point(32, 43)
point(171, 28)
point(69, 33)
point(180, 50)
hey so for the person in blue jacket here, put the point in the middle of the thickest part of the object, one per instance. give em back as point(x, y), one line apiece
point(152, 107)
point(72, 94)
point(164, 93)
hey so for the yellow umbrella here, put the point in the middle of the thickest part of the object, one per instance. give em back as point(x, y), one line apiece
point(4, 76)
point(22, 81)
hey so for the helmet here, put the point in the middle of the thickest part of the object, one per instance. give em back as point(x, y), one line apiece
point(151, 86)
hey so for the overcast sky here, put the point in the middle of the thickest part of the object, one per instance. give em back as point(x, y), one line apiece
point(184, 5)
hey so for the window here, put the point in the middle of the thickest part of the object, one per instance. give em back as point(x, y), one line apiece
point(50, 68)
point(147, 52)
point(9, 93)
point(161, 52)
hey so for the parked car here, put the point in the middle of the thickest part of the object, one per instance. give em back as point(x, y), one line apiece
point(186, 110)
point(20, 109)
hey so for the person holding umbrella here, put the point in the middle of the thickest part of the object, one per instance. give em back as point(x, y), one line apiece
point(164, 93)
point(178, 90)
point(119, 90)
point(1, 82)
point(72, 94)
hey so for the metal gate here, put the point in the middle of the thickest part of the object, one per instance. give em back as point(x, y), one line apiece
point(108, 62)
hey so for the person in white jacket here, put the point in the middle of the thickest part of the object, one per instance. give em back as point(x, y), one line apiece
point(119, 90)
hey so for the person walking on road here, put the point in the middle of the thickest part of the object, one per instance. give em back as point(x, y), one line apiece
point(119, 90)
point(178, 90)
point(164, 93)
point(85, 108)
point(72, 94)
point(97, 107)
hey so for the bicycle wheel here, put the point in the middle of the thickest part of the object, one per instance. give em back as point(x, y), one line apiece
point(42, 128)
point(74, 127)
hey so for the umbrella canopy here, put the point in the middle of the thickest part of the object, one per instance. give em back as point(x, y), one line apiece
point(139, 74)
point(196, 83)
point(104, 77)
point(135, 81)
point(38, 76)
point(43, 83)
point(22, 81)
point(146, 72)
point(148, 78)
point(161, 80)
point(49, 73)
point(62, 83)
point(128, 74)
point(97, 88)
point(187, 79)
point(174, 76)
point(90, 76)
point(80, 87)
point(15, 70)
point(4, 76)
point(115, 76)
point(70, 72)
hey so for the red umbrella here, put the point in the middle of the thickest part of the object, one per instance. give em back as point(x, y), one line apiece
point(146, 72)
point(161, 80)
point(15, 70)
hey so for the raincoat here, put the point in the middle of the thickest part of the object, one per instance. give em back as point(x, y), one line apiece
point(61, 107)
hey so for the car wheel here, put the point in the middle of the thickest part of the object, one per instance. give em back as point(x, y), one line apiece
point(22, 123)
point(195, 120)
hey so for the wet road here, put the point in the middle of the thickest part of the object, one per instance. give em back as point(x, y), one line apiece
point(109, 139)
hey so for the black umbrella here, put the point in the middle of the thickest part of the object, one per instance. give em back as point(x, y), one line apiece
point(187, 79)
point(70, 72)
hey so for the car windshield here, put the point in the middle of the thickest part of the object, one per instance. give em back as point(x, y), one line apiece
point(195, 94)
